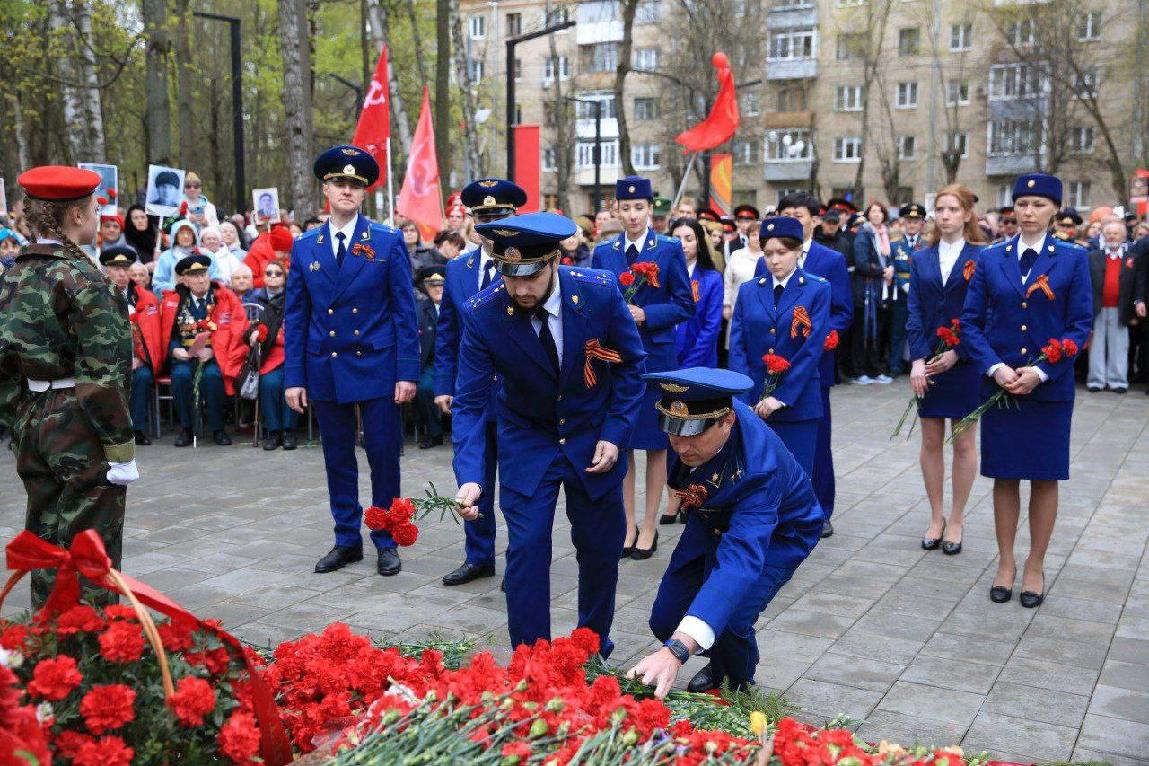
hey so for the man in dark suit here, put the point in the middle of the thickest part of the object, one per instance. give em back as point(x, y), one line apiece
point(1112, 270)
point(1139, 355)
point(429, 282)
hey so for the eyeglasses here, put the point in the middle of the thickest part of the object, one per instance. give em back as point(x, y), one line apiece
point(273, 273)
point(193, 186)
point(488, 217)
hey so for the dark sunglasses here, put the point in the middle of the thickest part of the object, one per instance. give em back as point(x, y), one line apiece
point(193, 186)
point(273, 273)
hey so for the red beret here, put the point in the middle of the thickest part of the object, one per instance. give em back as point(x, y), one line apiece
point(281, 239)
point(58, 183)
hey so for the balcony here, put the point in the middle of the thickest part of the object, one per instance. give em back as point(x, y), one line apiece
point(1010, 164)
point(791, 69)
point(585, 176)
point(1028, 108)
point(787, 170)
point(591, 32)
point(792, 17)
point(584, 128)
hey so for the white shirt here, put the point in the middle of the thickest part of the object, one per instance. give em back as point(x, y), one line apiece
point(485, 259)
point(554, 309)
point(739, 269)
point(348, 230)
point(805, 252)
point(637, 243)
point(697, 629)
point(783, 282)
point(948, 254)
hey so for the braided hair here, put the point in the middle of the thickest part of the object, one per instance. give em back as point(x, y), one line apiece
point(45, 219)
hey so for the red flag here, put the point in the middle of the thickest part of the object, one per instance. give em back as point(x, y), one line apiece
point(723, 119)
point(419, 198)
point(374, 126)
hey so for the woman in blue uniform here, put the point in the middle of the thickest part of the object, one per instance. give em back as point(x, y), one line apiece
point(657, 306)
point(786, 315)
point(1026, 291)
point(947, 384)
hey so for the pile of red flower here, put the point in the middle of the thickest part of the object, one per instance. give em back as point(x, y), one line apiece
point(398, 520)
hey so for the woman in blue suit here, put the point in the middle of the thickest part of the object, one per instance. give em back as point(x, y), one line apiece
point(947, 384)
point(1024, 292)
point(786, 314)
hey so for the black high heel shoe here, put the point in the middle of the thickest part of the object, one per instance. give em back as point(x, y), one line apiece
point(1031, 600)
point(669, 518)
point(999, 594)
point(932, 543)
point(628, 549)
point(950, 547)
point(645, 553)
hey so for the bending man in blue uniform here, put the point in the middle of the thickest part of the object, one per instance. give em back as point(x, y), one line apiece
point(753, 519)
point(352, 340)
point(570, 361)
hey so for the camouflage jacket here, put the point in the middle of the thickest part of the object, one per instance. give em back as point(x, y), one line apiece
point(59, 318)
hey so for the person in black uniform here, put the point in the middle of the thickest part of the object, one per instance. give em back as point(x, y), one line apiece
point(429, 281)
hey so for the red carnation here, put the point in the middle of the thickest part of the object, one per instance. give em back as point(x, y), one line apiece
point(108, 707)
point(105, 751)
point(238, 738)
point(1052, 351)
point(405, 534)
point(1069, 347)
point(184, 207)
point(831, 341)
point(80, 618)
point(955, 323)
point(111, 193)
point(516, 752)
point(68, 743)
point(775, 365)
point(402, 510)
point(262, 336)
point(13, 637)
point(176, 635)
point(120, 612)
point(122, 642)
point(948, 337)
point(194, 698)
point(626, 278)
point(55, 679)
point(376, 518)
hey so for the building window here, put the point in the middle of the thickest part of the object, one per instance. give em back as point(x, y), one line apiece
point(514, 24)
point(798, 44)
point(909, 41)
point(851, 45)
point(645, 58)
point(747, 152)
point(584, 154)
point(476, 66)
point(549, 69)
point(1020, 33)
point(556, 16)
point(1004, 195)
point(518, 69)
point(749, 105)
point(646, 108)
point(1089, 26)
point(1014, 81)
point(848, 3)
point(550, 159)
point(646, 156)
point(478, 27)
point(1011, 137)
point(907, 95)
point(1086, 83)
point(1081, 140)
point(958, 142)
point(848, 149)
point(957, 93)
point(792, 99)
point(907, 147)
point(848, 98)
point(1079, 194)
point(648, 12)
point(585, 108)
point(792, 145)
point(600, 57)
point(961, 37)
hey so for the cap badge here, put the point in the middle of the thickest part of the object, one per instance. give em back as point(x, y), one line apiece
point(488, 183)
point(1031, 183)
point(350, 152)
point(510, 310)
point(512, 255)
point(674, 388)
point(574, 299)
point(630, 189)
point(769, 227)
point(679, 409)
point(489, 201)
point(349, 169)
point(314, 266)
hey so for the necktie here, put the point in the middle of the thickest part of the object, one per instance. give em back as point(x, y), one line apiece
point(1028, 258)
point(778, 294)
point(488, 275)
point(341, 251)
point(546, 338)
point(631, 254)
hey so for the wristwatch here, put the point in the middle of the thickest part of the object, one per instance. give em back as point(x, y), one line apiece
point(678, 649)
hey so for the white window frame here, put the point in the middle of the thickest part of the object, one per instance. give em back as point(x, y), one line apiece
point(549, 161)
point(1012, 81)
point(961, 34)
point(796, 39)
point(774, 150)
point(917, 47)
point(646, 156)
point(648, 12)
point(1088, 84)
point(1011, 138)
point(913, 145)
point(549, 69)
point(848, 149)
point(646, 58)
point(1092, 27)
point(584, 154)
point(750, 105)
point(1081, 139)
point(477, 26)
point(958, 137)
point(1078, 193)
point(962, 87)
point(848, 98)
point(478, 69)
point(907, 97)
point(747, 151)
point(1020, 33)
point(655, 108)
point(507, 23)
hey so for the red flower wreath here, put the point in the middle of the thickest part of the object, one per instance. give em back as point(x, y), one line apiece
point(108, 707)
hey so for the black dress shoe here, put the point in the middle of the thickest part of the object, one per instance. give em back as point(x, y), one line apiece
point(640, 554)
point(1029, 599)
point(289, 440)
point(827, 528)
point(1093, 389)
point(428, 442)
point(221, 438)
point(272, 440)
point(707, 679)
point(1121, 390)
point(389, 564)
point(142, 439)
point(184, 438)
point(669, 518)
point(467, 572)
point(999, 594)
point(629, 549)
point(337, 558)
point(932, 543)
point(950, 548)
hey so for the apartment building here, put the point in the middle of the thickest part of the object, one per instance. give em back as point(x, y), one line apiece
point(921, 90)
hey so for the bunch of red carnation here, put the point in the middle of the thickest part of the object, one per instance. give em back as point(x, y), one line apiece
point(398, 520)
point(1055, 349)
point(831, 341)
point(949, 336)
point(640, 273)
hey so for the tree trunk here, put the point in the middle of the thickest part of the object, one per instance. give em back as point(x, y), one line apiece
point(90, 93)
point(293, 41)
point(472, 164)
point(628, 10)
point(443, 90)
point(16, 120)
point(417, 41)
point(379, 16)
point(185, 84)
point(157, 106)
point(60, 26)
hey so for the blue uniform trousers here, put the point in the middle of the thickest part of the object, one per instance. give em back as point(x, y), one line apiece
point(597, 531)
point(480, 533)
point(801, 438)
point(897, 316)
point(143, 383)
point(277, 416)
point(381, 437)
point(735, 649)
point(211, 393)
point(823, 475)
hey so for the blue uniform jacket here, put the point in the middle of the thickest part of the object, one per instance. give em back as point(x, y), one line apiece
point(666, 305)
point(540, 415)
point(761, 502)
point(697, 338)
point(462, 282)
point(932, 304)
point(902, 255)
point(830, 265)
point(1002, 323)
point(350, 332)
point(759, 327)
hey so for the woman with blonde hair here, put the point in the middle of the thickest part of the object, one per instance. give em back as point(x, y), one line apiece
point(946, 384)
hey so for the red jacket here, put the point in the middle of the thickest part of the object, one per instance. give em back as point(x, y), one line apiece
point(260, 254)
point(147, 330)
point(231, 328)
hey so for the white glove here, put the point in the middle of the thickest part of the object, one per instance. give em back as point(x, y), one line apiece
point(123, 474)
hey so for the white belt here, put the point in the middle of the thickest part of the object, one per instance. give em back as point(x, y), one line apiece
point(40, 386)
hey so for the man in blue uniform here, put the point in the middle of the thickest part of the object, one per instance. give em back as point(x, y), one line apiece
point(570, 361)
point(830, 265)
point(753, 519)
point(352, 341)
point(489, 199)
point(913, 217)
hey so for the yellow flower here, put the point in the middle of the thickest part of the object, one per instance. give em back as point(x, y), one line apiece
point(757, 723)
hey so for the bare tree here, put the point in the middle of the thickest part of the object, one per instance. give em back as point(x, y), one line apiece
point(185, 83)
point(871, 37)
point(158, 110)
point(71, 26)
point(948, 80)
point(884, 138)
point(295, 48)
point(472, 161)
point(379, 17)
point(560, 115)
point(443, 88)
point(629, 7)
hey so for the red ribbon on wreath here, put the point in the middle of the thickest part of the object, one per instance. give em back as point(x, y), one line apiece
point(801, 322)
point(692, 497)
point(1041, 283)
point(595, 350)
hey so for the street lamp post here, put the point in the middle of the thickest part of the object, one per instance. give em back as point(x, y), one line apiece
point(511, 43)
point(236, 104)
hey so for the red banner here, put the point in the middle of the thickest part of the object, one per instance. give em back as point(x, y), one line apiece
point(527, 165)
point(374, 126)
point(419, 198)
point(722, 184)
point(723, 119)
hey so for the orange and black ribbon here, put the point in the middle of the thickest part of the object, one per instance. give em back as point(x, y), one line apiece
point(595, 350)
point(692, 497)
point(801, 322)
point(695, 291)
point(1041, 283)
point(968, 270)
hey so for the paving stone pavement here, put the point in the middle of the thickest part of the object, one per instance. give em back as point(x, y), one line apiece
point(903, 641)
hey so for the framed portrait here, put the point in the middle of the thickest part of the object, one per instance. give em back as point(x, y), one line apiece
point(164, 192)
point(265, 203)
point(3, 198)
point(109, 180)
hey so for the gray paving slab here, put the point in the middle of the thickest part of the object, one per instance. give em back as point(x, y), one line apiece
point(904, 641)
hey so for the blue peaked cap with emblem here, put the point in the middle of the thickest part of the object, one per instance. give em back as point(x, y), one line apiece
point(695, 398)
point(492, 194)
point(346, 161)
point(781, 226)
point(521, 245)
point(633, 187)
point(1038, 185)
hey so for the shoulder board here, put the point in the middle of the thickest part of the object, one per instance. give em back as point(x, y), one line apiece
point(310, 234)
point(816, 278)
point(382, 227)
point(593, 276)
point(664, 238)
point(484, 297)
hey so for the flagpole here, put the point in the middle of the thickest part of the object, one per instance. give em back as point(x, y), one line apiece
point(390, 188)
point(685, 178)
